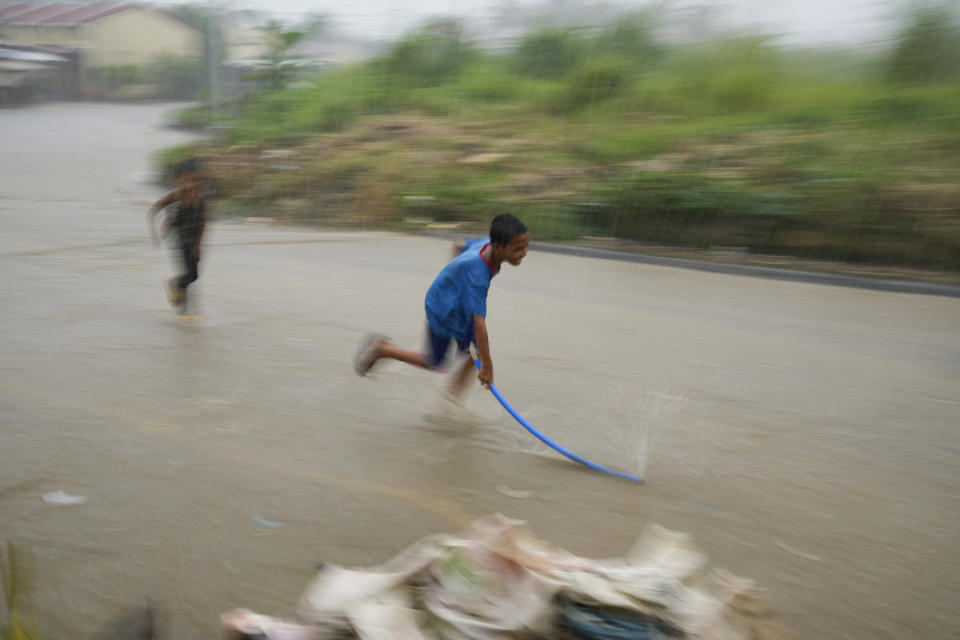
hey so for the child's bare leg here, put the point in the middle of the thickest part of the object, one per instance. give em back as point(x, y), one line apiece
point(461, 378)
point(387, 349)
point(375, 347)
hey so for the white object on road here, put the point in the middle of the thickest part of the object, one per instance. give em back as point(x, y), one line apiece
point(63, 499)
point(266, 523)
point(513, 493)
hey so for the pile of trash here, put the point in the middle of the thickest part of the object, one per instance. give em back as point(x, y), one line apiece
point(495, 581)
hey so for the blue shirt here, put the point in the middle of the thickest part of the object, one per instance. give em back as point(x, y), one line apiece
point(459, 293)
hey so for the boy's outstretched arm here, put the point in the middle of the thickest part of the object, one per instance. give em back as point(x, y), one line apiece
point(485, 375)
point(159, 205)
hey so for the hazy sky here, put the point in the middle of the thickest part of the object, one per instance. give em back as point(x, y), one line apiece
point(805, 21)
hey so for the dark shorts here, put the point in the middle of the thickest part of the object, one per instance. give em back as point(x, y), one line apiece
point(436, 348)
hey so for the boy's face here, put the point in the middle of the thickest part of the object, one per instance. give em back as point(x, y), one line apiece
point(516, 250)
point(189, 180)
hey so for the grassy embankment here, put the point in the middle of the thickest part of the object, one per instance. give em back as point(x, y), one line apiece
point(729, 143)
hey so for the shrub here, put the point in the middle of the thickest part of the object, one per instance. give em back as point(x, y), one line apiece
point(631, 36)
point(734, 75)
point(548, 54)
point(591, 83)
point(431, 54)
point(177, 78)
point(928, 46)
point(115, 76)
point(681, 208)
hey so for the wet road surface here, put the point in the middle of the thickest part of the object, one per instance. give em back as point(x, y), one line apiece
point(806, 435)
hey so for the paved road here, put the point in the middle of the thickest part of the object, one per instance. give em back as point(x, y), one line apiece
point(805, 434)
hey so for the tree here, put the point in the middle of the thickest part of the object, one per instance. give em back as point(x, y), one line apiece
point(928, 46)
point(432, 53)
point(282, 59)
point(549, 53)
point(632, 35)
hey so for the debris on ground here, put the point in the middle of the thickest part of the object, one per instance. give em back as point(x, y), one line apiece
point(60, 498)
point(496, 581)
point(263, 522)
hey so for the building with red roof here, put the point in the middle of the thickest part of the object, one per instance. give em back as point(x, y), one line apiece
point(101, 34)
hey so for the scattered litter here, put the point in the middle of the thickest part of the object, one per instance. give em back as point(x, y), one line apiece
point(246, 624)
point(513, 493)
point(595, 623)
point(265, 523)
point(278, 153)
point(284, 165)
point(63, 499)
point(483, 158)
point(496, 581)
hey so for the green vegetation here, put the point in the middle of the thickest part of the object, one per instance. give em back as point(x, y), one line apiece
point(166, 78)
point(929, 46)
point(548, 54)
point(734, 142)
point(430, 55)
point(281, 59)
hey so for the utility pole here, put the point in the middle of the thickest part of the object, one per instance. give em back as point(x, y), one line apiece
point(212, 63)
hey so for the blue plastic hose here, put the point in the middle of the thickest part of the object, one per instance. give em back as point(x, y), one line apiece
point(550, 443)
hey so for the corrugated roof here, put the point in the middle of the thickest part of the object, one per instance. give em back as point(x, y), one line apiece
point(37, 14)
point(60, 13)
point(11, 10)
point(92, 13)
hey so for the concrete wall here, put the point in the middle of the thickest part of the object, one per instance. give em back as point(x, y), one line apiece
point(243, 43)
point(138, 37)
point(43, 35)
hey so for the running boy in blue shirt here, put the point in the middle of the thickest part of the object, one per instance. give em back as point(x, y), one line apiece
point(456, 306)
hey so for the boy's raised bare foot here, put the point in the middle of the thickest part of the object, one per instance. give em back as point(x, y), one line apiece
point(367, 353)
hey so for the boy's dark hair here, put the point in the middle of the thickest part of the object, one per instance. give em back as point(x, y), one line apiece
point(505, 228)
point(185, 167)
